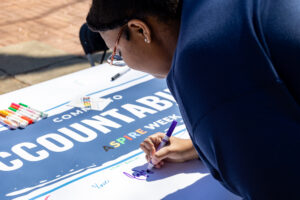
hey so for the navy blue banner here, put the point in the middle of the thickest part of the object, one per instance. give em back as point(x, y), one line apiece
point(78, 139)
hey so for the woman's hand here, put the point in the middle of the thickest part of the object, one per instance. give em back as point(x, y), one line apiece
point(178, 150)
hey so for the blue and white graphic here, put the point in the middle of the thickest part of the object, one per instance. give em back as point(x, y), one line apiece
point(78, 139)
point(83, 154)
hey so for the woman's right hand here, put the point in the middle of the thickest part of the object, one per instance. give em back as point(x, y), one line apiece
point(177, 150)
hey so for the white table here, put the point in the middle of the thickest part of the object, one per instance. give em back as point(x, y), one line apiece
point(53, 96)
point(49, 94)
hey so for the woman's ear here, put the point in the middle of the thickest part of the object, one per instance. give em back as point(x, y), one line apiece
point(141, 29)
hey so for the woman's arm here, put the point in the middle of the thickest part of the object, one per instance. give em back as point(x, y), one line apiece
point(178, 150)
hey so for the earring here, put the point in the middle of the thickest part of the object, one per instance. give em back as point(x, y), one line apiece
point(147, 41)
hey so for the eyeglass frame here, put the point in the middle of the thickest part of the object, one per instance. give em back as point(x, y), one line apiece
point(116, 44)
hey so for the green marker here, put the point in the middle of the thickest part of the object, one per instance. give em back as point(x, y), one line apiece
point(33, 118)
point(42, 114)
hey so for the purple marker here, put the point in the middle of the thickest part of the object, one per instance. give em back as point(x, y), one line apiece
point(164, 141)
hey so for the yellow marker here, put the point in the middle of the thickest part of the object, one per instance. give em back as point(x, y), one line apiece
point(21, 123)
point(16, 116)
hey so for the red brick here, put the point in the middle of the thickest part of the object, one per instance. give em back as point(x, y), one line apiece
point(54, 22)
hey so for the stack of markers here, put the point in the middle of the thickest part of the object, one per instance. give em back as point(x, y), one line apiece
point(87, 102)
point(20, 116)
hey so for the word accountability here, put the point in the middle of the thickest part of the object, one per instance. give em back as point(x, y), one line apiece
point(86, 130)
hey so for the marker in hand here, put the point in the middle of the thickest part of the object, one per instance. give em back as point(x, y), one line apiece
point(163, 143)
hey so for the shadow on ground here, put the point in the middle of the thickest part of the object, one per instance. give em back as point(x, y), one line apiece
point(32, 62)
point(20, 64)
point(19, 71)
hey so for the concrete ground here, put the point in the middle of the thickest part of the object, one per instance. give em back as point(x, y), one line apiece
point(39, 40)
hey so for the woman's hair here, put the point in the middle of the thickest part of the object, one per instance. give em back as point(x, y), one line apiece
point(109, 14)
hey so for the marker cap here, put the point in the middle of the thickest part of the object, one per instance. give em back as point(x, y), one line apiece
point(42, 114)
point(29, 121)
point(29, 117)
point(171, 129)
point(23, 105)
point(29, 111)
point(15, 105)
point(3, 113)
point(12, 109)
point(18, 107)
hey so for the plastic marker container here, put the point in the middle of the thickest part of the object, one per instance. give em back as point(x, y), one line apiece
point(42, 114)
point(33, 118)
point(8, 123)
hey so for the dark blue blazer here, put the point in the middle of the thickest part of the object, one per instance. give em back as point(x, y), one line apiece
point(236, 78)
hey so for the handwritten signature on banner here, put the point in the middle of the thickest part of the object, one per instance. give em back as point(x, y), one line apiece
point(101, 185)
point(139, 174)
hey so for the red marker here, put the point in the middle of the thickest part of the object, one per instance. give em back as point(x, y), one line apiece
point(17, 106)
point(22, 113)
point(25, 112)
point(30, 121)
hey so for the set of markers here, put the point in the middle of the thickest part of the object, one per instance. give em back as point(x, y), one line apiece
point(20, 116)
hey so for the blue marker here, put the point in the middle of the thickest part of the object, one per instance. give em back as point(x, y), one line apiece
point(164, 141)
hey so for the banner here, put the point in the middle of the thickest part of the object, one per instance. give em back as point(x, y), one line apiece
point(71, 155)
point(79, 138)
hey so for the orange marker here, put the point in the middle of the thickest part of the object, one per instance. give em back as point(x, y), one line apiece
point(22, 111)
point(23, 114)
point(9, 123)
point(30, 121)
point(20, 122)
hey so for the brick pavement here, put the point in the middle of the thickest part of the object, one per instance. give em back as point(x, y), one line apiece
point(37, 40)
point(54, 22)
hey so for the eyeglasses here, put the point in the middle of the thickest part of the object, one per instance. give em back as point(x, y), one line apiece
point(116, 59)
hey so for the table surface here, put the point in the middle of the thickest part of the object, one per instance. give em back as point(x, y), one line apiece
point(53, 94)
point(49, 94)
